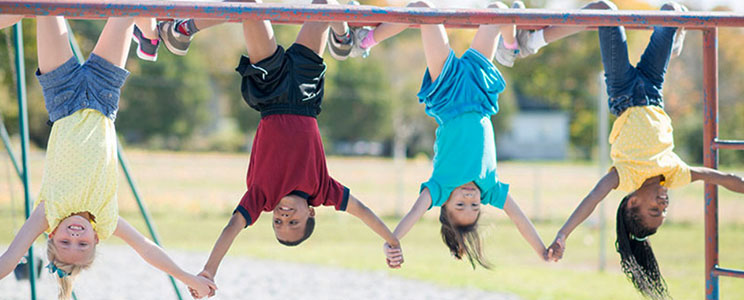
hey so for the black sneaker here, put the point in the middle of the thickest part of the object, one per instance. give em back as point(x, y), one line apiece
point(147, 49)
point(176, 42)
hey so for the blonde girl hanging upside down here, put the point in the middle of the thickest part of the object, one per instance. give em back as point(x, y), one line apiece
point(77, 204)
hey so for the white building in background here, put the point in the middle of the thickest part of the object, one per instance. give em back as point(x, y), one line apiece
point(535, 134)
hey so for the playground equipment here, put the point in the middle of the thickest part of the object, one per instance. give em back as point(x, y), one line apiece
point(707, 22)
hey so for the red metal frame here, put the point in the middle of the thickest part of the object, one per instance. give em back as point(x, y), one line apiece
point(710, 157)
point(365, 14)
point(708, 22)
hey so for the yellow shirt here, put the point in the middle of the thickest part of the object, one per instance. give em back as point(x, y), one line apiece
point(81, 171)
point(642, 147)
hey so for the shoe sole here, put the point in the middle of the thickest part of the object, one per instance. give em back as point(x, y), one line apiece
point(169, 46)
point(141, 54)
point(336, 52)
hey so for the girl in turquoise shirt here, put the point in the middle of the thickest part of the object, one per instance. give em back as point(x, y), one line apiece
point(461, 95)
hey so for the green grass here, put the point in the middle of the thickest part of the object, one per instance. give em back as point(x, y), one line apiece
point(192, 195)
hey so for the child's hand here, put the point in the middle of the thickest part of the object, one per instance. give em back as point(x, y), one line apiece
point(203, 285)
point(393, 256)
point(556, 249)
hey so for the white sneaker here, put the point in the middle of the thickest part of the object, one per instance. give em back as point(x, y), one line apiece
point(358, 34)
point(679, 36)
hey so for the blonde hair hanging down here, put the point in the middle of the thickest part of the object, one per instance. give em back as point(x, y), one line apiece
point(65, 283)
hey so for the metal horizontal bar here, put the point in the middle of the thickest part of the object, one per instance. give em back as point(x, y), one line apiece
point(366, 14)
point(728, 144)
point(728, 272)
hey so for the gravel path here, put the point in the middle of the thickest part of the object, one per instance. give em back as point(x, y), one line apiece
point(119, 273)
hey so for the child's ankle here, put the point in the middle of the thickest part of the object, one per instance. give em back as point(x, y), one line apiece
point(369, 40)
point(514, 45)
point(344, 38)
point(186, 27)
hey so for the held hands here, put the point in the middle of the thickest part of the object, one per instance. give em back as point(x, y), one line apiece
point(203, 285)
point(393, 255)
point(556, 249)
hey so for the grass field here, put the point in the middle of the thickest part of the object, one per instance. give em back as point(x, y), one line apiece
point(191, 196)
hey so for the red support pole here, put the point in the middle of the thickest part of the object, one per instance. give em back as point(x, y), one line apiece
point(710, 157)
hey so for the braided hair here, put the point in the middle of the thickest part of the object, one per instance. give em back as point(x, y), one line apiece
point(636, 256)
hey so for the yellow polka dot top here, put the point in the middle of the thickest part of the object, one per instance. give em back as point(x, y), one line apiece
point(642, 147)
point(80, 172)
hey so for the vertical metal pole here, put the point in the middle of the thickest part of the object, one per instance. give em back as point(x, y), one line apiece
point(143, 209)
point(602, 153)
point(710, 157)
point(23, 128)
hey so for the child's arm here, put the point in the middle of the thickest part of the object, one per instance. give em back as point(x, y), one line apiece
point(731, 182)
point(585, 208)
point(157, 257)
point(525, 226)
point(417, 211)
point(34, 226)
point(394, 256)
point(361, 211)
point(233, 228)
point(9, 20)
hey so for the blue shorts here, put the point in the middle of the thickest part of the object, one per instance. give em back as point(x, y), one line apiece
point(470, 83)
point(96, 84)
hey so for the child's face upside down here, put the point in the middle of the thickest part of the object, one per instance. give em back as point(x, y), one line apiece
point(651, 201)
point(290, 218)
point(463, 205)
point(74, 239)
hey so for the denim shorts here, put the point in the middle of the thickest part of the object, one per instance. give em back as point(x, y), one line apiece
point(638, 85)
point(96, 84)
point(288, 82)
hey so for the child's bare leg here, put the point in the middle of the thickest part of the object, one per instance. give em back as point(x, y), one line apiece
point(9, 20)
point(486, 37)
point(52, 43)
point(313, 35)
point(554, 33)
point(148, 26)
point(202, 24)
point(260, 41)
point(337, 27)
point(436, 44)
point(114, 41)
point(385, 31)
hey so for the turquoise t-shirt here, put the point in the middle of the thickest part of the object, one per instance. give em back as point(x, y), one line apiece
point(462, 99)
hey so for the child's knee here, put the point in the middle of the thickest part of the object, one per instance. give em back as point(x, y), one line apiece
point(601, 4)
point(498, 4)
point(420, 3)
